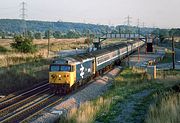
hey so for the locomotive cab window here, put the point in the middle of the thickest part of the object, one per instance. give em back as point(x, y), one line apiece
point(65, 68)
point(54, 68)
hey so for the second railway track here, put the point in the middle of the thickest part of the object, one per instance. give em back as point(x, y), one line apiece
point(14, 107)
point(22, 96)
point(28, 109)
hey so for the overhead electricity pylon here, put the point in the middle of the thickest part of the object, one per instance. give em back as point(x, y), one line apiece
point(23, 18)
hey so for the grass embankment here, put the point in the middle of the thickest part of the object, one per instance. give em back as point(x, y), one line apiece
point(166, 110)
point(3, 49)
point(20, 72)
point(107, 107)
point(166, 107)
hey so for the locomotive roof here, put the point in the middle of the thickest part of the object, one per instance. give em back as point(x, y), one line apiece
point(107, 49)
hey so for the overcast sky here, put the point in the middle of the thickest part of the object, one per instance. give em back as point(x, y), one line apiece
point(160, 13)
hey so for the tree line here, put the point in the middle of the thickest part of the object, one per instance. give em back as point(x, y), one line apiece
point(39, 29)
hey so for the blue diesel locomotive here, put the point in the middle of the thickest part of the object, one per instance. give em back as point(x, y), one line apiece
point(68, 73)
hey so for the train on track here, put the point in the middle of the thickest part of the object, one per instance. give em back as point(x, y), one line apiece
point(68, 73)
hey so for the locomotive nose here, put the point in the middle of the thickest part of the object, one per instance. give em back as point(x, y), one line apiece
point(59, 77)
point(53, 76)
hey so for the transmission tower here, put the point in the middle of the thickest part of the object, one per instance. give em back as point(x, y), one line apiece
point(138, 23)
point(138, 26)
point(143, 24)
point(23, 17)
point(128, 20)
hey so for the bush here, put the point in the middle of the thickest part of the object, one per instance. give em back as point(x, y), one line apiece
point(24, 45)
point(88, 41)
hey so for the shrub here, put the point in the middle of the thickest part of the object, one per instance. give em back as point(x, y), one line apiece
point(88, 41)
point(24, 45)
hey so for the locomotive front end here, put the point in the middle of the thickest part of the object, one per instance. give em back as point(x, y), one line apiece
point(61, 77)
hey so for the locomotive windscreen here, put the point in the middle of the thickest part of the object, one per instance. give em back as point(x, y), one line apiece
point(55, 68)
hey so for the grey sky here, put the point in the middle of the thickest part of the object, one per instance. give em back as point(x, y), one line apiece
point(161, 13)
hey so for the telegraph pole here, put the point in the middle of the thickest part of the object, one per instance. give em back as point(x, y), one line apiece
point(138, 40)
point(119, 31)
point(48, 42)
point(23, 17)
point(173, 53)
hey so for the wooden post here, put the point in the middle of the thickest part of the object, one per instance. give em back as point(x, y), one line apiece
point(138, 55)
point(48, 42)
point(155, 72)
point(146, 45)
point(173, 53)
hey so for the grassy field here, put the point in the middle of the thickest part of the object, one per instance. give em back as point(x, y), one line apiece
point(19, 71)
point(129, 84)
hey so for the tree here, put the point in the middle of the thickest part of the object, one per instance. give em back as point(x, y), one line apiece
point(174, 32)
point(47, 34)
point(23, 44)
point(2, 34)
point(30, 34)
point(37, 35)
point(161, 33)
point(72, 34)
point(57, 34)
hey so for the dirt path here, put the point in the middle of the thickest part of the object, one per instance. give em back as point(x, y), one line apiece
point(129, 108)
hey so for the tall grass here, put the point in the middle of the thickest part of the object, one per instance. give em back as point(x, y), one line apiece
point(3, 49)
point(67, 46)
point(167, 110)
point(129, 82)
point(104, 109)
point(19, 71)
point(87, 111)
point(21, 76)
point(168, 78)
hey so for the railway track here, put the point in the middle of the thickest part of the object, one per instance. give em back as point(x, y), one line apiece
point(26, 120)
point(28, 109)
point(12, 108)
point(14, 99)
point(17, 108)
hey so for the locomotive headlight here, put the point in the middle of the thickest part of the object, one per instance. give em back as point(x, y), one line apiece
point(52, 76)
point(59, 76)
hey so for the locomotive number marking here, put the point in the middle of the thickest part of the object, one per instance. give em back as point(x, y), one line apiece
point(82, 71)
